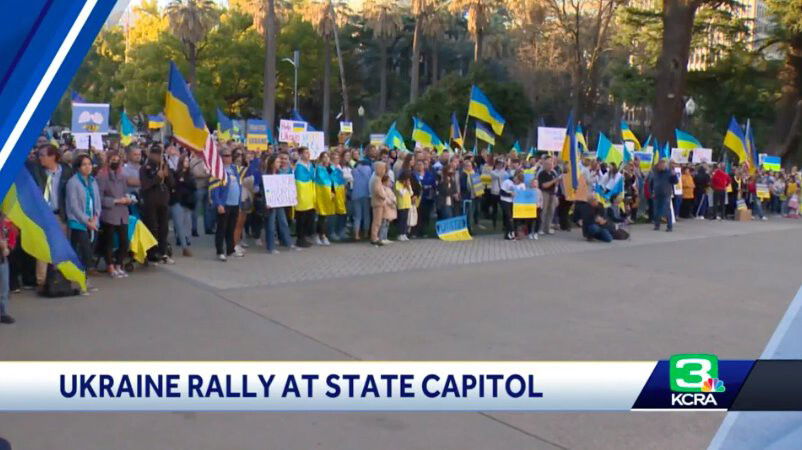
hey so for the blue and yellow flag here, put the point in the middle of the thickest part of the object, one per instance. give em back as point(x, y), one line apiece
point(126, 129)
point(735, 140)
point(524, 204)
point(183, 112)
point(424, 134)
point(484, 133)
point(517, 146)
point(751, 148)
point(155, 121)
point(455, 133)
point(628, 136)
point(454, 229)
point(607, 152)
point(41, 233)
point(580, 140)
point(141, 239)
point(570, 156)
point(224, 126)
point(481, 108)
point(393, 139)
point(686, 141)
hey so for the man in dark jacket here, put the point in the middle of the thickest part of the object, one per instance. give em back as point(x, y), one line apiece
point(701, 182)
point(594, 220)
point(662, 184)
point(156, 181)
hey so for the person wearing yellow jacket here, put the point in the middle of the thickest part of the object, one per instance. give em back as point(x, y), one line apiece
point(340, 197)
point(305, 189)
point(324, 197)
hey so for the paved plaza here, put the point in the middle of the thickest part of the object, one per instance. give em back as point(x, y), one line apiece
point(708, 287)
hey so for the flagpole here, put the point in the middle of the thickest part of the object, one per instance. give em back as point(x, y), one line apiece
point(465, 128)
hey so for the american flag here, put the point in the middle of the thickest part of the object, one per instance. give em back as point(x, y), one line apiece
point(211, 156)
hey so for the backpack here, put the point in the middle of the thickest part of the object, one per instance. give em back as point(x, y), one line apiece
point(620, 234)
point(56, 285)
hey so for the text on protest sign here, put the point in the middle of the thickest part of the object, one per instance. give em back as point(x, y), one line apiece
point(702, 155)
point(550, 139)
point(290, 130)
point(314, 141)
point(280, 190)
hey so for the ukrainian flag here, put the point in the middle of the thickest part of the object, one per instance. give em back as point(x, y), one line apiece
point(686, 141)
point(141, 239)
point(393, 139)
point(580, 140)
point(524, 204)
point(628, 136)
point(183, 112)
point(155, 121)
point(224, 126)
point(456, 134)
point(517, 146)
point(571, 158)
point(453, 229)
point(607, 152)
point(42, 236)
point(484, 133)
point(424, 134)
point(735, 141)
point(126, 129)
point(481, 108)
point(305, 187)
point(751, 148)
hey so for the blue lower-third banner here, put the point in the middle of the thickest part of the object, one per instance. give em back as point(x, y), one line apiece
point(684, 382)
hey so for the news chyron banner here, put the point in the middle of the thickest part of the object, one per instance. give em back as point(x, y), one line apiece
point(683, 383)
point(43, 44)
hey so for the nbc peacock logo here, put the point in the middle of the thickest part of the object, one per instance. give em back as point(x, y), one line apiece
point(713, 385)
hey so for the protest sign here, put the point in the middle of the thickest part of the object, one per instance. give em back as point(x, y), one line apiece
point(279, 190)
point(377, 139)
point(680, 155)
point(702, 155)
point(454, 229)
point(524, 204)
point(645, 159)
point(256, 137)
point(290, 130)
point(346, 127)
point(314, 141)
point(478, 185)
point(678, 186)
point(550, 139)
point(90, 118)
point(772, 163)
point(762, 191)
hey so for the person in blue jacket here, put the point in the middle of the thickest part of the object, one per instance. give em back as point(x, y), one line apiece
point(225, 196)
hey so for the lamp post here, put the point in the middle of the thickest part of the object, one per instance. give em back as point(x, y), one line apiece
point(690, 108)
point(295, 61)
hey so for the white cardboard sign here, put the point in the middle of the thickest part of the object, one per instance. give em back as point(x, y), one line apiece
point(280, 190)
point(314, 141)
point(550, 139)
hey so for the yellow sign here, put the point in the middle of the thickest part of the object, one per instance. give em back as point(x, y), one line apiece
point(762, 191)
point(454, 229)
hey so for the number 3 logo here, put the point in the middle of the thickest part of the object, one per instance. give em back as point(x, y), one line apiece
point(688, 372)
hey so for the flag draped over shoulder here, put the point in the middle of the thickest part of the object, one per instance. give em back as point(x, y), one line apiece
point(628, 136)
point(393, 139)
point(41, 233)
point(481, 108)
point(570, 156)
point(126, 129)
point(735, 141)
point(484, 133)
point(686, 141)
point(155, 121)
point(455, 133)
point(425, 135)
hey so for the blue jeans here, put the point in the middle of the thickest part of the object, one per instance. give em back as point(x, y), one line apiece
point(661, 203)
point(336, 228)
point(757, 206)
point(600, 233)
point(209, 213)
point(182, 223)
point(445, 212)
point(4, 287)
point(274, 216)
point(361, 214)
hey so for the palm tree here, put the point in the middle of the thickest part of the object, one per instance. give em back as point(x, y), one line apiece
point(383, 18)
point(322, 16)
point(479, 13)
point(419, 10)
point(434, 25)
point(190, 21)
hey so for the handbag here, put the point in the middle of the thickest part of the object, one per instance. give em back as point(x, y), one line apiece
point(412, 218)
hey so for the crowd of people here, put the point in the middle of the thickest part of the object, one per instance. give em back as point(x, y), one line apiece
point(345, 194)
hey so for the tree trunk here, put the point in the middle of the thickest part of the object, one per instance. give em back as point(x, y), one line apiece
point(326, 84)
point(269, 93)
point(672, 67)
point(383, 76)
point(785, 138)
point(192, 57)
point(477, 46)
point(435, 62)
point(415, 66)
point(346, 114)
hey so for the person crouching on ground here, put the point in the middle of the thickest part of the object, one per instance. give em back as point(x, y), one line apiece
point(594, 222)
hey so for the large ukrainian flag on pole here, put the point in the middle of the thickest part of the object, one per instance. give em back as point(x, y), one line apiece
point(735, 141)
point(481, 108)
point(126, 129)
point(42, 236)
point(425, 135)
point(686, 140)
point(393, 139)
point(455, 133)
point(628, 136)
point(484, 133)
point(224, 126)
point(570, 156)
point(183, 113)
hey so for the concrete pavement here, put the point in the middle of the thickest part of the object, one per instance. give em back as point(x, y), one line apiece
point(708, 287)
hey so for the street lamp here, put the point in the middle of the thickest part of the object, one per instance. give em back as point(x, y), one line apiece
point(690, 106)
point(295, 61)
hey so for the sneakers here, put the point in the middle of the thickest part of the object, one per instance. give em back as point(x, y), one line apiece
point(541, 233)
point(403, 238)
point(273, 252)
point(764, 218)
point(5, 318)
point(167, 260)
point(509, 236)
point(222, 257)
point(325, 241)
point(258, 242)
point(533, 236)
point(317, 241)
point(239, 248)
point(243, 244)
point(239, 253)
point(550, 231)
point(295, 247)
point(386, 241)
point(376, 243)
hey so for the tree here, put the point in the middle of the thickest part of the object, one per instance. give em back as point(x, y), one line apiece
point(384, 19)
point(788, 33)
point(191, 21)
point(434, 24)
point(479, 13)
point(147, 23)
